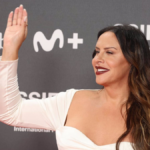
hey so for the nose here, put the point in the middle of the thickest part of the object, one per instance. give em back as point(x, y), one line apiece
point(99, 57)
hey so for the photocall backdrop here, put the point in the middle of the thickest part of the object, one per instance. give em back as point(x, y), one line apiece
point(57, 52)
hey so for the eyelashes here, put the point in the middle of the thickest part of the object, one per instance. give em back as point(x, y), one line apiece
point(96, 52)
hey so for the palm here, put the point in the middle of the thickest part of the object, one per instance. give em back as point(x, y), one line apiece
point(14, 33)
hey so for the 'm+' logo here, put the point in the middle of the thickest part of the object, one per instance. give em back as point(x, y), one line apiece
point(46, 44)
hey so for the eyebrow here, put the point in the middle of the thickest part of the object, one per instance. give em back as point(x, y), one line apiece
point(106, 48)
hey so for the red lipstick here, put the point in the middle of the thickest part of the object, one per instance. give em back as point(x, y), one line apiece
point(101, 70)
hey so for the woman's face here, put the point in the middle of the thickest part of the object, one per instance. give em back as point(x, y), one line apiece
point(109, 55)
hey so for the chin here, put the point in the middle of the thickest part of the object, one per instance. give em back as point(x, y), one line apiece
point(101, 83)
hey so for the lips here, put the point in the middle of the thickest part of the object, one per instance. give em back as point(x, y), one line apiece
point(101, 70)
point(99, 67)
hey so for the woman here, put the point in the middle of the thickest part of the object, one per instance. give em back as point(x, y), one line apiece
point(115, 117)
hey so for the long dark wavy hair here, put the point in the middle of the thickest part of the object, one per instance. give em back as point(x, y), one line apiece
point(135, 49)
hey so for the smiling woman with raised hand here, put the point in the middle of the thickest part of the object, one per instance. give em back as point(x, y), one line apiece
point(116, 117)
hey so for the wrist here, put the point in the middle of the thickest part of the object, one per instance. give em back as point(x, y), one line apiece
point(9, 55)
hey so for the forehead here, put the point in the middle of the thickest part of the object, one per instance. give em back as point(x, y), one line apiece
point(107, 39)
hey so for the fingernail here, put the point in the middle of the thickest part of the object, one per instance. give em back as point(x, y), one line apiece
point(21, 5)
point(25, 18)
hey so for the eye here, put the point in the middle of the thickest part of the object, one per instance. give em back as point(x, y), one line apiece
point(96, 51)
point(109, 52)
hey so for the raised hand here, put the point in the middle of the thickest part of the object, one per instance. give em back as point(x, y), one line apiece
point(15, 33)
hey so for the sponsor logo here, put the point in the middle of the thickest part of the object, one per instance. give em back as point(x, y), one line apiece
point(20, 129)
point(144, 28)
point(48, 44)
point(36, 95)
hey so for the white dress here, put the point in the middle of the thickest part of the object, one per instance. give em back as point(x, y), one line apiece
point(49, 113)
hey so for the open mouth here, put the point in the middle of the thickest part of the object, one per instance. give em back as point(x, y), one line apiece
point(101, 70)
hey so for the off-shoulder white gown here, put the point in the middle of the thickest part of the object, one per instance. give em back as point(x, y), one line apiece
point(49, 113)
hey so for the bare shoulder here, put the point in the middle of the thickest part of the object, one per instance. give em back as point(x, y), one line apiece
point(82, 97)
point(81, 103)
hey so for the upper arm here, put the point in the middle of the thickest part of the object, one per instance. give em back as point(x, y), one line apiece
point(48, 113)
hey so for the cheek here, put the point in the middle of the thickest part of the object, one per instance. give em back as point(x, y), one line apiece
point(119, 66)
point(116, 62)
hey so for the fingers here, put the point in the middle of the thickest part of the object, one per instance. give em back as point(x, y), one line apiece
point(9, 21)
point(25, 18)
point(25, 21)
point(20, 14)
point(15, 16)
point(18, 18)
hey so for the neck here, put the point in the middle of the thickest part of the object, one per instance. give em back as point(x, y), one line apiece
point(115, 94)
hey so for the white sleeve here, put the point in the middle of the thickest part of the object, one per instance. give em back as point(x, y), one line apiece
point(48, 113)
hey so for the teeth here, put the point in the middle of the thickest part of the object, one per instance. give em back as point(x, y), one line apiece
point(102, 69)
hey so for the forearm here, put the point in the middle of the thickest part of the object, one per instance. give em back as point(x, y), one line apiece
point(16, 111)
point(9, 93)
